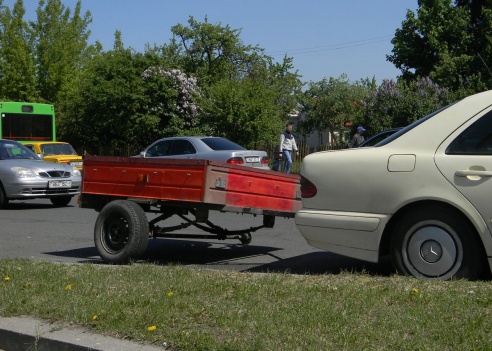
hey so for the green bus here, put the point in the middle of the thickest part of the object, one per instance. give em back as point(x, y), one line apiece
point(24, 121)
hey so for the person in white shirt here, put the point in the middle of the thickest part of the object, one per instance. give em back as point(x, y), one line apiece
point(287, 146)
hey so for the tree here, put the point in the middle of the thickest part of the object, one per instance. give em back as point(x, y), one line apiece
point(213, 52)
point(331, 103)
point(173, 99)
point(59, 42)
point(246, 96)
point(398, 104)
point(206, 83)
point(107, 105)
point(17, 66)
point(243, 111)
point(449, 43)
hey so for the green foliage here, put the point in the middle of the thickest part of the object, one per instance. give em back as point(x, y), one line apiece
point(209, 84)
point(331, 103)
point(17, 72)
point(107, 108)
point(242, 110)
point(449, 43)
point(214, 52)
point(397, 104)
point(59, 44)
point(206, 81)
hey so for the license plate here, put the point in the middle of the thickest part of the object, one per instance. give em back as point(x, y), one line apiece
point(252, 159)
point(54, 184)
point(76, 163)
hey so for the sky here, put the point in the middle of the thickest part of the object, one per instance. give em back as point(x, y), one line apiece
point(325, 38)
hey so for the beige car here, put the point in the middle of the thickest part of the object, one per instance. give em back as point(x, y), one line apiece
point(422, 196)
point(55, 151)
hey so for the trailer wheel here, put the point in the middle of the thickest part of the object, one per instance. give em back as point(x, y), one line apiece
point(245, 238)
point(121, 232)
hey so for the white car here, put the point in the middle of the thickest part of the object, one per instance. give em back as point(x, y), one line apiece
point(206, 148)
point(23, 176)
point(422, 195)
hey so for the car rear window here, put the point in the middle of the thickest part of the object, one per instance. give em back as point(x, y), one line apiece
point(221, 144)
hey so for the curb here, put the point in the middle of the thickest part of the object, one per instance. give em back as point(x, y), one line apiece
point(25, 333)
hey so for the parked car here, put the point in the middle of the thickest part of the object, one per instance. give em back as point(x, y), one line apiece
point(55, 151)
point(422, 195)
point(207, 148)
point(24, 176)
point(376, 138)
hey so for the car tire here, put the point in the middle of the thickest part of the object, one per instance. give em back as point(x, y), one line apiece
point(121, 232)
point(436, 243)
point(61, 201)
point(4, 201)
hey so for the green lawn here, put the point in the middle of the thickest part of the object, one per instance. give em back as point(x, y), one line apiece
point(194, 309)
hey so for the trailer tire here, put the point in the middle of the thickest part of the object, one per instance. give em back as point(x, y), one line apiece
point(246, 239)
point(121, 232)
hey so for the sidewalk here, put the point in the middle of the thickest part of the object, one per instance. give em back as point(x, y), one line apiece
point(25, 333)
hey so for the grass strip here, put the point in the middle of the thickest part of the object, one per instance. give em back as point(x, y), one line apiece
point(193, 309)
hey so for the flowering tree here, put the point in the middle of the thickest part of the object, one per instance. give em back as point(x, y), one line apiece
point(173, 97)
point(397, 104)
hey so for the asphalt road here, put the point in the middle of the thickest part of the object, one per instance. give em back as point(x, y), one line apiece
point(37, 230)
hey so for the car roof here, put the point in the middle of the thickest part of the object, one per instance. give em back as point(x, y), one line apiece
point(193, 137)
point(43, 142)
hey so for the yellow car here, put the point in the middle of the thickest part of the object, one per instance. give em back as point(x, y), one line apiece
point(55, 151)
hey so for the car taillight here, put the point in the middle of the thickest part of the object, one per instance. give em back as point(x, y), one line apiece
point(308, 189)
point(265, 160)
point(236, 161)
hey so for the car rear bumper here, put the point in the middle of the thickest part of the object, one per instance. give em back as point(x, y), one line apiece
point(350, 234)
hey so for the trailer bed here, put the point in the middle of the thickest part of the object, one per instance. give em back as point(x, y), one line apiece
point(123, 189)
point(190, 183)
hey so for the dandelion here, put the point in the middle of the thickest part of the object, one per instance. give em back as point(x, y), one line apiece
point(151, 328)
point(7, 278)
point(68, 287)
point(95, 317)
point(170, 293)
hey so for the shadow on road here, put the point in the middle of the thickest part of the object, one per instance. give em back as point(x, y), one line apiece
point(85, 254)
point(241, 258)
point(325, 263)
point(21, 206)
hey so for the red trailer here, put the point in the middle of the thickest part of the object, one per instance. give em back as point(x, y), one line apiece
point(123, 189)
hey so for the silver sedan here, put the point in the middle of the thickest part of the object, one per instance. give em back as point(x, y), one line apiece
point(421, 195)
point(24, 176)
point(206, 148)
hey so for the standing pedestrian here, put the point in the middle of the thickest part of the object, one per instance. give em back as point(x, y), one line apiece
point(287, 146)
point(358, 138)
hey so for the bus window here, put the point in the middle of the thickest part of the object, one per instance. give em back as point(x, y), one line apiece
point(23, 121)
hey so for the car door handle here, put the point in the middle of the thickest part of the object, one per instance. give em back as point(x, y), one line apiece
point(472, 172)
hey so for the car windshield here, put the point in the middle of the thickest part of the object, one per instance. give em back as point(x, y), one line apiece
point(221, 144)
point(12, 150)
point(57, 149)
point(409, 127)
